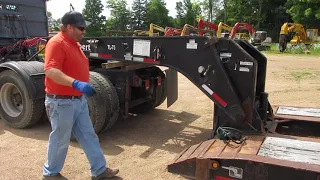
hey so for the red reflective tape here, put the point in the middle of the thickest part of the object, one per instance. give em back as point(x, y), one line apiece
point(147, 84)
point(159, 81)
point(219, 99)
point(105, 55)
point(149, 60)
point(214, 95)
point(222, 178)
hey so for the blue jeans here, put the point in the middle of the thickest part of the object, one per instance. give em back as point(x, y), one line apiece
point(71, 116)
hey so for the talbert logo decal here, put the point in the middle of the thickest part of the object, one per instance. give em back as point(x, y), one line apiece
point(86, 47)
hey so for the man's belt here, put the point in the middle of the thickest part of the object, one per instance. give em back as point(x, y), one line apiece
point(63, 96)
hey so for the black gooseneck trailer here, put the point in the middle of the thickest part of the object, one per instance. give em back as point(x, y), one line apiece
point(251, 139)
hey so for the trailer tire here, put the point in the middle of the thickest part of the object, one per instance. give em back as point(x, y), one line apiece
point(111, 99)
point(96, 106)
point(17, 109)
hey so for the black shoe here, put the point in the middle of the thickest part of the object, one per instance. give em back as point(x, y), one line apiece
point(55, 177)
point(109, 173)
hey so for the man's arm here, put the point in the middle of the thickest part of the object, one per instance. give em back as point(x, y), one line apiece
point(59, 77)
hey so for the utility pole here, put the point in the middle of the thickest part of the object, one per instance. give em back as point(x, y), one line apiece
point(225, 10)
point(71, 7)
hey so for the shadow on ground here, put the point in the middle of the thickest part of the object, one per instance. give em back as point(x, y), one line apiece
point(160, 129)
point(39, 131)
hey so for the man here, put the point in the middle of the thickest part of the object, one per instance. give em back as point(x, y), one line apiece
point(67, 76)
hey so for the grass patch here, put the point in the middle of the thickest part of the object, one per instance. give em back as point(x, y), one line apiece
point(318, 89)
point(303, 74)
point(297, 50)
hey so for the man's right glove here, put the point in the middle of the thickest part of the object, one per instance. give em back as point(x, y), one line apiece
point(83, 87)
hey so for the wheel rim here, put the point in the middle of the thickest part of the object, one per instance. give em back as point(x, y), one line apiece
point(11, 100)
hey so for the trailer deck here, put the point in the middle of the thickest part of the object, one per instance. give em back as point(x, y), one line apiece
point(259, 157)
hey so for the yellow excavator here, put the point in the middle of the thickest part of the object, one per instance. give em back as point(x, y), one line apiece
point(224, 26)
point(186, 30)
point(150, 32)
point(141, 33)
point(156, 27)
point(296, 34)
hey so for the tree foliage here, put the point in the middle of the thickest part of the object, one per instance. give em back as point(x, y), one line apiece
point(92, 12)
point(188, 12)
point(304, 11)
point(157, 13)
point(139, 10)
point(120, 15)
point(266, 15)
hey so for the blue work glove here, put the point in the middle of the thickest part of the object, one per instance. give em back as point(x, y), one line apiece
point(83, 87)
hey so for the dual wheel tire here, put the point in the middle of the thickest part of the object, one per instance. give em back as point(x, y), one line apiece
point(104, 105)
point(18, 111)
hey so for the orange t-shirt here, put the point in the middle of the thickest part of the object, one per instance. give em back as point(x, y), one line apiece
point(63, 53)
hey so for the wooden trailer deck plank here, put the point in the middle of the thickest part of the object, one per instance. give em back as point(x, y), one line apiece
point(291, 150)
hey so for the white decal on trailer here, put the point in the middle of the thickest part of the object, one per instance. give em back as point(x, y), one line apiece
point(205, 87)
point(234, 171)
point(138, 59)
point(141, 47)
point(244, 69)
point(246, 63)
point(128, 57)
point(192, 44)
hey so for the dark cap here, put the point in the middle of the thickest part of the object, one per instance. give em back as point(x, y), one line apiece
point(74, 18)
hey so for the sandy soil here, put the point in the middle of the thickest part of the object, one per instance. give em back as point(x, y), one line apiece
point(142, 146)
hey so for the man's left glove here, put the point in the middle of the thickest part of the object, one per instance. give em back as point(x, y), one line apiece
point(83, 87)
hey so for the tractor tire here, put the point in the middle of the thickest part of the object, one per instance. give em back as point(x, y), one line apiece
point(282, 43)
point(160, 94)
point(17, 110)
point(111, 99)
point(97, 106)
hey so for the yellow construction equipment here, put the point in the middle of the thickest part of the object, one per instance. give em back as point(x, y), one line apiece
point(155, 27)
point(141, 33)
point(296, 34)
point(186, 30)
point(224, 26)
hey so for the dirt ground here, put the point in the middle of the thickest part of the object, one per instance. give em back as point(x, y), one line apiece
point(142, 146)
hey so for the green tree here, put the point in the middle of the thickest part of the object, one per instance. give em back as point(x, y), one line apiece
point(306, 12)
point(139, 10)
point(56, 25)
point(120, 16)
point(188, 12)
point(92, 13)
point(267, 15)
point(179, 21)
point(157, 13)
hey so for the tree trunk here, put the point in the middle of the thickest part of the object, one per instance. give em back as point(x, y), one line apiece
point(259, 13)
point(225, 10)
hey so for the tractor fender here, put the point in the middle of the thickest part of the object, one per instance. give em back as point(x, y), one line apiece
point(32, 74)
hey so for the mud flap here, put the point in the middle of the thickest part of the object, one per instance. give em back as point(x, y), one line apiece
point(172, 86)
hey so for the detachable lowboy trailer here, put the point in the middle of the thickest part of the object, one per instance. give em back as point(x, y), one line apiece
point(251, 139)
